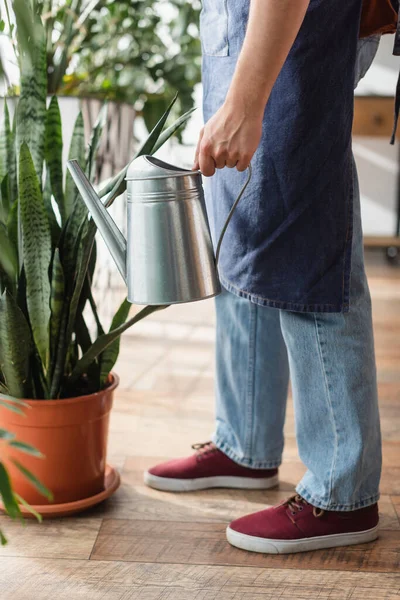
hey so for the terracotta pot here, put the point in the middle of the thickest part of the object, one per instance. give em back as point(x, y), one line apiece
point(72, 434)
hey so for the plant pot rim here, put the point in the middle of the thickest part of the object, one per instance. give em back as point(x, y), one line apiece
point(41, 402)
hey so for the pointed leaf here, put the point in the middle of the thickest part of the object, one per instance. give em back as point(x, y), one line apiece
point(8, 255)
point(56, 301)
point(31, 108)
point(169, 132)
point(6, 435)
point(33, 480)
point(82, 333)
point(11, 400)
point(148, 146)
point(53, 154)
point(3, 388)
point(83, 262)
point(118, 184)
point(108, 358)
point(5, 204)
point(12, 225)
point(15, 348)
point(105, 340)
point(7, 158)
point(95, 142)
point(7, 495)
point(36, 253)
point(5, 141)
point(28, 507)
point(55, 229)
point(59, 357)
point(76, 151)
point(12, 408)
point(27, 448)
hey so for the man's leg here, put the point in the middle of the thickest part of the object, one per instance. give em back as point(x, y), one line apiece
point(251, 388)
point(333, 373)
point(252, 377)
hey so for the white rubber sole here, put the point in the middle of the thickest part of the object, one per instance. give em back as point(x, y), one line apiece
point(267, 546)
point(167, 484)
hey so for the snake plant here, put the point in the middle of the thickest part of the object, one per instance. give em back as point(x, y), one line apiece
point(47, 246)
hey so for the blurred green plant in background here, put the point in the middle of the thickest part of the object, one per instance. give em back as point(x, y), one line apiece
point(136, 51)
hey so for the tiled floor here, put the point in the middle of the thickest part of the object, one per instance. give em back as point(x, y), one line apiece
point(148, 545)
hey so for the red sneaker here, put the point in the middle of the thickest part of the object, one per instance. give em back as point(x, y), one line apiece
point(208, 468)
point(297, 526)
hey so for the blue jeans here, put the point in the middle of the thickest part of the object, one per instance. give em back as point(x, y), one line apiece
point(330, 358)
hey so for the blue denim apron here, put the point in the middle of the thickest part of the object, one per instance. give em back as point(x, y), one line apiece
point(288, 245)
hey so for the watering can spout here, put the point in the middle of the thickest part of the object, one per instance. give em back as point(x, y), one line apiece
point(112, 236)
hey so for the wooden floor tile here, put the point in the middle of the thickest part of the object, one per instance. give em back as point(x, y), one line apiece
point(205, 543)
point(27, 579)
point(59, 538)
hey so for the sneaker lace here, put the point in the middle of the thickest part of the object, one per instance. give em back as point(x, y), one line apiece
point(204, 449)
point(296, 503)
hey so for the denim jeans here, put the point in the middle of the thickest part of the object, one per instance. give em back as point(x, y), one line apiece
point(331, 362)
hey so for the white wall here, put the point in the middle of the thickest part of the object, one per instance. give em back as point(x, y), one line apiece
point(377, 161)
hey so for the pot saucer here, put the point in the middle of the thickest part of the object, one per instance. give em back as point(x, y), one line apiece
point(112, 482)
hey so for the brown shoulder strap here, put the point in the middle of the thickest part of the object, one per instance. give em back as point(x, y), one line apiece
point(377, 16)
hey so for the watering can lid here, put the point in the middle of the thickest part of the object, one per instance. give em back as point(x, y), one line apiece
point(149, 167)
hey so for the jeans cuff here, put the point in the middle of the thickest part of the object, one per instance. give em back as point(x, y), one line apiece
point(304, 493)
point(243, 461)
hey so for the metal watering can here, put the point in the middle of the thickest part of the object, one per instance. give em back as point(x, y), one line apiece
point(168, 256)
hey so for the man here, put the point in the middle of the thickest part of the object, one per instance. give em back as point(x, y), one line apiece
point(278, 91)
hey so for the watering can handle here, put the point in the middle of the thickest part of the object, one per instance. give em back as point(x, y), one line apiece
point(225, 227)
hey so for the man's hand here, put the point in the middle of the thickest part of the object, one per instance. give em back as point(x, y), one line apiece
point(232, 135)
point(229, 139)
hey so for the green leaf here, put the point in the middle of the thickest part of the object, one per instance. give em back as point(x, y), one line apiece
point(12, 408)
point(31, 108)
point(169, 132)
point(7, 161)
point(3, 388)
point(15, 348)
point(82, 265)
point(8, 255)
point(28, 507)
point(82, 333)
point(76, 151)
point(7, 495)
point(5, 141)
point(55, 229)
point(59, 358)
point(108, 358)
point(33, 480)
point(36, 242)
point(12, 224)
point(3, 540)
point(56, 301)
point(6, 435)
point(54, 146)
point(26, 448)
point(11, 400)
point(95, 142)
point(5, 204)
point(85, 243)
point(117, 185)
point(105, 340)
